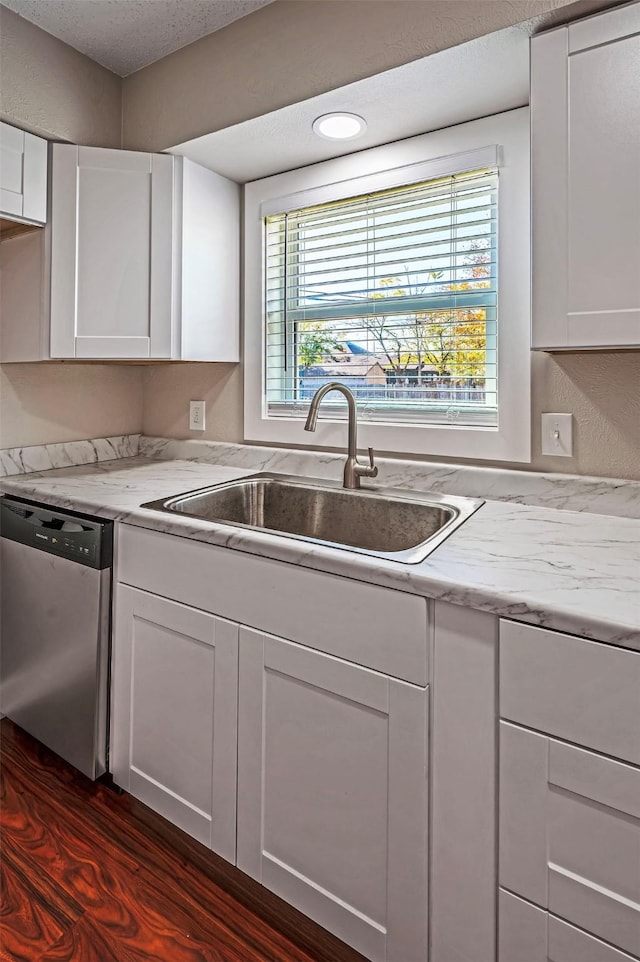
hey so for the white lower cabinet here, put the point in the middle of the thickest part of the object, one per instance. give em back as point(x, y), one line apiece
point(174, 712)
point(281, 716)
point(529, 934)
point(332, 793)
point(569, 809)
point(316, 763)
point(570, 833)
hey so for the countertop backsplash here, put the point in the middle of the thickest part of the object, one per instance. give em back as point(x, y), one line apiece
point(43, 457)
point(569, 492)
point(607, 496)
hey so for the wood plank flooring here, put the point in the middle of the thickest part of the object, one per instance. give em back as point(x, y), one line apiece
point(90, 875)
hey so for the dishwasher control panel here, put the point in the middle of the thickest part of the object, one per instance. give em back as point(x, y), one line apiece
point(71, 535)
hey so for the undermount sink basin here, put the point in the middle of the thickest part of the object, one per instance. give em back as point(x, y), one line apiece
point(385, 522)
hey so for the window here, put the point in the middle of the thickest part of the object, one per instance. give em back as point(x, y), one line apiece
point(408, 284)
point(393, 294)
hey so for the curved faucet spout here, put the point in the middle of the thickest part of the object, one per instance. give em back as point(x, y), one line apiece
point(353, 470)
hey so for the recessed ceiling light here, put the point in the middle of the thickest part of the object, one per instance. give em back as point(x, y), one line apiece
point(339, 126)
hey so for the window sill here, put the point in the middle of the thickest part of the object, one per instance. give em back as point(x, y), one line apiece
point(451, 441)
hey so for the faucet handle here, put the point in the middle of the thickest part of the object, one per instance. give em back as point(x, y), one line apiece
point(373, 470)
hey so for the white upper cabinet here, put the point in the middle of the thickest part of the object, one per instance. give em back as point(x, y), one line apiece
point(585, 115)
point(111, 222)
point(145, 255)
point(23, 176)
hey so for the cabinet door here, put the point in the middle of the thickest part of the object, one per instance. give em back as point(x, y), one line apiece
point(585, 103)
point(332, 794)
point(111, 268)
point(570, 834)
point(529, 934)
point(174, 714)
point(23, 175)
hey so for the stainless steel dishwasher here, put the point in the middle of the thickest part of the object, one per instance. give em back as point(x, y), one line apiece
point(55, 600)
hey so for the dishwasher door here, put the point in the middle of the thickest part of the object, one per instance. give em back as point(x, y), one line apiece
point(54, 646)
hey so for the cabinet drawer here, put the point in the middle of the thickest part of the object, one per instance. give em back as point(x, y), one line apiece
point(583, 691)
point(378, 628)
point(570, 833)
point(529, 934)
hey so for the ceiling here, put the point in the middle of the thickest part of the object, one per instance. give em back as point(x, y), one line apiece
point(125, 35)
point(475, 79)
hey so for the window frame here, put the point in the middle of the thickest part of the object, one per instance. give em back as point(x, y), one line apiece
point(507, 135)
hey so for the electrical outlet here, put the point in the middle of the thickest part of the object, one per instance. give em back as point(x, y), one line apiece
point(557, 435)
point(196, 415)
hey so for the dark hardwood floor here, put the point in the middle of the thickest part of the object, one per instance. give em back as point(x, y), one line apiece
point(90, 875)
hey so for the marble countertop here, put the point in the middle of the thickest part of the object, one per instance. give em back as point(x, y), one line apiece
point(568, 570)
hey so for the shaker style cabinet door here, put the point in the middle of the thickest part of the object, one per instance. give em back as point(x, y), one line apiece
point(529, 934)
point(111, 248)
point(174, 714)
point(23, 175)
point(570, 834)
point(585, 116)
point(332, 794)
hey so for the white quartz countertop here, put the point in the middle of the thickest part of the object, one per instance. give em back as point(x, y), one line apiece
point(566, 570)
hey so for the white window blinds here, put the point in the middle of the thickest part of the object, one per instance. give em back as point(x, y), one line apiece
point(393, 294)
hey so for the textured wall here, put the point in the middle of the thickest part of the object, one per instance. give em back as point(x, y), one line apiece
point(291, 50)
point(602, 391)
point(314, 45)
point(46, 403)
point(168, 388)
point(51, 89)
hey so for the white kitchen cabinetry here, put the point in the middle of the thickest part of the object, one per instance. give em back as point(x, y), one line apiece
point(579, 690)
point(23, 176)
point(332, 793)
point(569, 815)
point(175, 677)
point(111, 256)
point(585, 115)
point(332, 801)
point(463, 804)
point(140, 262)
point(570, 834)
point(528, 934)
point(145, 256)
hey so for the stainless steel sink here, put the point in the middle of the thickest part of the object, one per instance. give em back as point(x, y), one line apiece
point(385, 522)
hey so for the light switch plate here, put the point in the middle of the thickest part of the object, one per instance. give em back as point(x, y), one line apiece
point(557, 435)
point(196, 415)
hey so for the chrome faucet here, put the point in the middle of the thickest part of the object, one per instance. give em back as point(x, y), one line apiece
point(353, 470)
